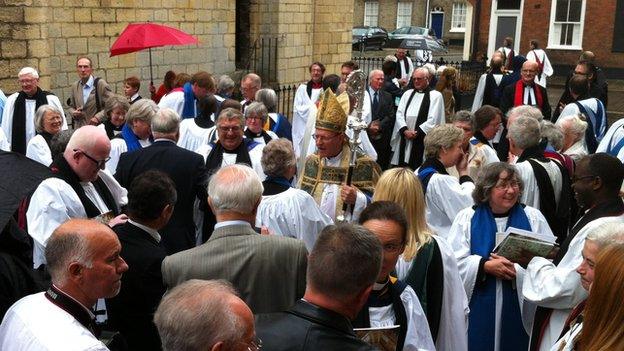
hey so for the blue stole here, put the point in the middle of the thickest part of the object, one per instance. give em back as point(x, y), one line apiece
point(424, 174)
point(615, 150)
point(482, 318)
point(189, 102)
point(132, 141)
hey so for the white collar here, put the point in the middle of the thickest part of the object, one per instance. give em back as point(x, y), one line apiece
point(76, 301)
point(151, 231)
point(89, 82)
point(229, 223)
point(133, 97)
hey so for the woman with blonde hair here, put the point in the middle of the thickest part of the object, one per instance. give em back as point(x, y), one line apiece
point(604, 311)
point(427, 263)
point(447, 85)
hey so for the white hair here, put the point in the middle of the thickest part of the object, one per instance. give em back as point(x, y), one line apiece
point(606, 234)
point(165, 121)
point(525, 110)
point(28, 71)
point(373, 72)
point(390, 58)
point(576, 125)
point(430, 68)
point(235, 188)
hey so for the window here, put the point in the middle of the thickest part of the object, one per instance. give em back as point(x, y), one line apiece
point(509, 4)
point(404, 14)
point(566, 24)
point(458, 20)
point(371, 13)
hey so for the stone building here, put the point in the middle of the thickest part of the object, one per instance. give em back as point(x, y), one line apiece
point(49, 35)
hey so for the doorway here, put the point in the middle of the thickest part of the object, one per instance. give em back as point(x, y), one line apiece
point(506, 21)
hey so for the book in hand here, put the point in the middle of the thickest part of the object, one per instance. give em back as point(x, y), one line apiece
point(516, 243)
point(383, 338)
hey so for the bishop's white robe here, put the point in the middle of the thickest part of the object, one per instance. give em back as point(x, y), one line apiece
point(531, 194)
point(559, 286)
point(292, 213)
point(193, 136)
point(460, 237)
point(408, 119)
point(614, 135)
point(31, 104)
point(38, 150)
point(54, 202)
point(453, 329)
point(301, 109)
point(118, 147)
point(547, 70)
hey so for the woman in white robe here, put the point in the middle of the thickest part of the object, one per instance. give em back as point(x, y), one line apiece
point(448, 321)
point(495, 321)
point(256, 115)
point(48, 122)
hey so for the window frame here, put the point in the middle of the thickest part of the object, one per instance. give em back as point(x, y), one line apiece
point(411, 9)
point(553, 41)
point(454, 15)
point(368, 5)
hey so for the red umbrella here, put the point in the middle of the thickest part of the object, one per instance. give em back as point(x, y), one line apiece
point(140, 36)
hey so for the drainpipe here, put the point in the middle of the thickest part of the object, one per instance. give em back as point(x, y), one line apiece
point(475, 29)
point(427, 15)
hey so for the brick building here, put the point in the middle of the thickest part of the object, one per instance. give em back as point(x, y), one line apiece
point(564, 29)
point(448, 18)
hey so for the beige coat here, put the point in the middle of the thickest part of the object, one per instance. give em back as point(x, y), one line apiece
point(89, 107)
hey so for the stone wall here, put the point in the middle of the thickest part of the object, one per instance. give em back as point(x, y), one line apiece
point(49, 35)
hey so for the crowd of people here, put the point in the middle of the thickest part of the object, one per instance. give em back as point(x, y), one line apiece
point(191, 220)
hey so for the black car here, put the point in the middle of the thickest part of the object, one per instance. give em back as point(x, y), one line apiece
point(365, 37)
point(396, 37)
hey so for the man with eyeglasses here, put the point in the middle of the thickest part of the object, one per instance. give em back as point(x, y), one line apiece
point(250, 84)
point(324, 175)
point(526, 92)
point(555, 287)
point(78, 188)
point(18, 116)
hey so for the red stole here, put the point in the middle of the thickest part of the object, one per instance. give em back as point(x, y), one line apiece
point(520, 92)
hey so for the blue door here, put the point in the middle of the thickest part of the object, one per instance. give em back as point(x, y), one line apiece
point(437, 23)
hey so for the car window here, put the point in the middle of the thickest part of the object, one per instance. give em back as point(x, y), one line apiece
point(402, 30)
point(359, 31)
point(371, 31)
point(418, 30)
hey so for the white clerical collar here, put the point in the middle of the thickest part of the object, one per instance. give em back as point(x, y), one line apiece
point(151, 231)
point(89, 82)
point(164, 139)
point(379, 286)
point(233, 222)
point(333, 161)
point(76, 301)
point(134, 97)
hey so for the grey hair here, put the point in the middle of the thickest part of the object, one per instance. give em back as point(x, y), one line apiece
point(231, 114)
point(441, 137)
point(277, 157)
point(426, 70)
point(41, 111)
point(28, 71)
point(346, 259)
point(268, 97)
point(63, 249)
point(525, 132)
point(488, 177)
point(235, 188)
point(257, 109)
point(59, 142)
point(254, 78)
point(196, 315)
point(373, 72)
point(577, 125)
point(225, 83)
point(525, 110)
point(430, 68)
point(115, 101)
point(607, 234)
point(552, 133)
point(165, 121)
point(85, 138)
point(463, 116)
point(143, 110)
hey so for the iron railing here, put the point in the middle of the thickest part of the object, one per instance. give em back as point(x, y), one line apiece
point(263, 60)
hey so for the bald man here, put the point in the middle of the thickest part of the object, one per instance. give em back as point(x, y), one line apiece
point(78, 188)
point(526, 92)
point(84, 263)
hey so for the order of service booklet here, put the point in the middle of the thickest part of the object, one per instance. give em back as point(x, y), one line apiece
point(514, 241)
point(384, 338)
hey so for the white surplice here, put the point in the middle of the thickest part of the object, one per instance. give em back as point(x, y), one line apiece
point(531, 194)
point(478, 99)
point(9, 107)
point(445, 198)
point(460, 238)
point(613, 136)
point(118, 147)
point(418, 336)
point(292, 213)
point(193, 136)
point(559, 286)
point(54, 202)
point(453, 328)
point(260, 139)
point(38, 150)
point(5, 144)
point(175, 101)
point(255, 155)
point(301, 108)
point(547, 70)
point(589, 104)
point(435, 117)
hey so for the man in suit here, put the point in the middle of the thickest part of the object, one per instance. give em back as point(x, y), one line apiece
point(151, 199)
point(88, 94)
point(186, 169)
point(382, 118)
point(268, 270)
point(526, 92)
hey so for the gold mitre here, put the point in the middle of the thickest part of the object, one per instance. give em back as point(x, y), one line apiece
point(333, 111)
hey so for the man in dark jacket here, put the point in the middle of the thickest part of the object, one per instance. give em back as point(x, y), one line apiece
point(342, 269)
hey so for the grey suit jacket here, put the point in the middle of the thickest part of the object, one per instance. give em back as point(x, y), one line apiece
point(89, 107)
point(269, 271)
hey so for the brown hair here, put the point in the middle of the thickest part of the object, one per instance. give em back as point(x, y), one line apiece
point(133, 81)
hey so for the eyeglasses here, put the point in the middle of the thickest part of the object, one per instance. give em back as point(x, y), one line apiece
point(235, 129)
point(323, 139)
point(27, 81)
point(506, 185)
point(392, 248)
point(254, 118)
point(255, 345)
point(575, 179)
point(99, 163)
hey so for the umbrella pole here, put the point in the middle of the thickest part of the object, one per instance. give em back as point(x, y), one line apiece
point(150, 60)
